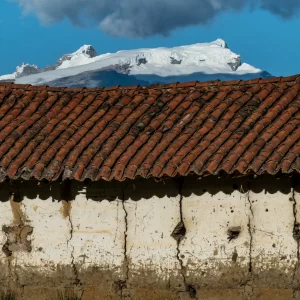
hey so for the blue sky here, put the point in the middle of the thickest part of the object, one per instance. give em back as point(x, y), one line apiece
point(262, 39)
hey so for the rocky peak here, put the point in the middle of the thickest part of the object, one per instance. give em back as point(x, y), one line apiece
point(89, 51)
point(26, 69)
point(235, 63)
point(86, 50)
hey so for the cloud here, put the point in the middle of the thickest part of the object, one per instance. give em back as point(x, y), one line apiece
point(284, 8)
point(142, 18)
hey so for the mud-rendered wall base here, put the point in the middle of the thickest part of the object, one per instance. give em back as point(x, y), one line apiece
point(176, 239)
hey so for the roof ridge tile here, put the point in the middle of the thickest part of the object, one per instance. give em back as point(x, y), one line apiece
point(269, 80)
point(288, 79)
point(186, 84)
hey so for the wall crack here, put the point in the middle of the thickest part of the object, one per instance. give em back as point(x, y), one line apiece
point(296, 235)
point(178, 234)
point(248, 284)
point(121, 285)
point(77, 280)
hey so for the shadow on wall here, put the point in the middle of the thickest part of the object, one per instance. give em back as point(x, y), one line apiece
point(146, 188)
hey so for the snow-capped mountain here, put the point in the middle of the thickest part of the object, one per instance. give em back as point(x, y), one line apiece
point(203, 61)
point(81, 56)
point(22, 70)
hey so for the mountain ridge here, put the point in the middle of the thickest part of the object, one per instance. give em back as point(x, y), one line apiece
point(201, 61)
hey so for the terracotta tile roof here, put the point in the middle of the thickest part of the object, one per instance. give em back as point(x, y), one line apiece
point(237, 127)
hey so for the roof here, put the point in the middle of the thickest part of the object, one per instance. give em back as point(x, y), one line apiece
point(232, 128)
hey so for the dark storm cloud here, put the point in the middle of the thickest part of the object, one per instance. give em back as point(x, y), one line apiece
point(141, 18)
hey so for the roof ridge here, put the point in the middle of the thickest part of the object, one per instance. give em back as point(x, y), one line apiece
point(190, 84)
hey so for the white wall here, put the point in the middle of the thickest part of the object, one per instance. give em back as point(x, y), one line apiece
point(114, 239)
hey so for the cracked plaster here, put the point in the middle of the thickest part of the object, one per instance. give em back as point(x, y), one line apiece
point(114, 239)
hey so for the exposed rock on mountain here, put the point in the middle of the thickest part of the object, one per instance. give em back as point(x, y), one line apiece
point(26, 70)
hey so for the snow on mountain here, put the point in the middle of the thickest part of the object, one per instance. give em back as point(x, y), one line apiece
point(8, 77)
point(21, 71)
point(211, 60)
point(80, 57)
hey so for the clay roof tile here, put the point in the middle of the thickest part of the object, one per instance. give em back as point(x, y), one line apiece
point(235, 127)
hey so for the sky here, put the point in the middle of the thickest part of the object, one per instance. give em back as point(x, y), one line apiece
point(36, 32)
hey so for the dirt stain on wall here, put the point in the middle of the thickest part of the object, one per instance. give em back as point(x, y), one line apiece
point(18, 215)
point(66, 199)
point(66, 208)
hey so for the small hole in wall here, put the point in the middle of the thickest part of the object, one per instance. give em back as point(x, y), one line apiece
point(296, 231)
point(179, 232)
point(233, 233)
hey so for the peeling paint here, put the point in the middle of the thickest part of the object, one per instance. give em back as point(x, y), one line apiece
point(17, 239)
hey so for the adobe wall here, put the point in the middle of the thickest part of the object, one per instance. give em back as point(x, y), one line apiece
point(175, 239)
